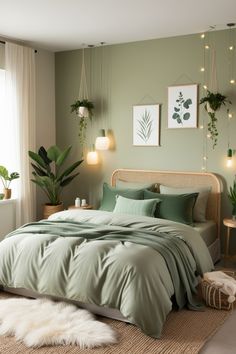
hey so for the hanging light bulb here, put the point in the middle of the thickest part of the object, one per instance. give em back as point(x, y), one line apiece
point(207, 46)
point(231, 47)
point(92, 157)
point(230, 115)
point(102, 141)
point(232, 81)
point(203, 35)
point(205, 87)
point(229, 158)
point(202, 69)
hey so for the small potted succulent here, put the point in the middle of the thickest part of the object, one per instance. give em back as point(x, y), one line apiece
point(6, 179)
point(212, 103)
point(84, 109)
point(232, 198)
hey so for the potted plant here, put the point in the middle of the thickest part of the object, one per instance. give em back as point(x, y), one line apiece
point(232, 198)
point(49, 176)
point(84, 109)
point(6, 179)
point(212, 103)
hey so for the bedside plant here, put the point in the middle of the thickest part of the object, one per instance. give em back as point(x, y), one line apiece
point(49, 177)
point(212, 103)
point(6, 179)
point(83, 109)
point(232, 198)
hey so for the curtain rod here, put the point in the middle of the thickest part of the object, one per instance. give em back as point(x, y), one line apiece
point(3, 42)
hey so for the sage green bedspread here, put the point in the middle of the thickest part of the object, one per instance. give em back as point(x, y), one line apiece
point(128, 263)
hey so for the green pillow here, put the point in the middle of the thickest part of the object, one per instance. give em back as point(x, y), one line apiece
point(173, 207)
point(135, 207)
point(109, 196)
point(134, 185)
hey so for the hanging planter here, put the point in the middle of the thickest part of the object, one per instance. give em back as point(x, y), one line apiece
point(82, 106)
point(212, 103)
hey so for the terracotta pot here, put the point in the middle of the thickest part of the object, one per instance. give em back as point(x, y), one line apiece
point(7, 193)
point(51, 209)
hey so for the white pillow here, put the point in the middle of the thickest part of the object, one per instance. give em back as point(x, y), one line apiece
point(199, 210)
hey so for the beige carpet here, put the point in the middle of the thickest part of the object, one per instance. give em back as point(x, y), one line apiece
point(184, 332)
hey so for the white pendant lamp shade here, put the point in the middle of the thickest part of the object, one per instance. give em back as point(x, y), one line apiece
point(102, 141)
point(92, 157)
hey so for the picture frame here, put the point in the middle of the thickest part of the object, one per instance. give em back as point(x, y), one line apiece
point(146, 126)
point(183, 106)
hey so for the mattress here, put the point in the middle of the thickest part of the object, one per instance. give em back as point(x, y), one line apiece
point(207, 230)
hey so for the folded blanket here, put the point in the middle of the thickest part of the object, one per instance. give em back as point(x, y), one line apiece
point(226, 283)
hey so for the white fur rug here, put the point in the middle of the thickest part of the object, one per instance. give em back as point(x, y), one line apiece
point(43, 322)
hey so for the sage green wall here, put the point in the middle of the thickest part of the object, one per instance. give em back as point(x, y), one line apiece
point(137, 73)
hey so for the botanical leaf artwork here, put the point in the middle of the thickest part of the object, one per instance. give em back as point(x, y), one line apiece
point(181, 108)
point(145, 126)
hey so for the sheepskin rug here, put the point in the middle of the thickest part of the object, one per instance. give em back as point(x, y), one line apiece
point(43, 322)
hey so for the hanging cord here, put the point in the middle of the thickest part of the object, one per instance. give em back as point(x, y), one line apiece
point(83, 89)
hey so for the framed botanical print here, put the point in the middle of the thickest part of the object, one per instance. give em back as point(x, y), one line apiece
point(182, 106)
point(146, 125)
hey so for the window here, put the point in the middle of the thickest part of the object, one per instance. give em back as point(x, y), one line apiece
point(3, 129)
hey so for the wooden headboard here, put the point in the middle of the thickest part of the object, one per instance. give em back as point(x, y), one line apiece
point(179, 179)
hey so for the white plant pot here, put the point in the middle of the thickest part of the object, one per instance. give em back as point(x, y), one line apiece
point(83, 112)
point(209, 109)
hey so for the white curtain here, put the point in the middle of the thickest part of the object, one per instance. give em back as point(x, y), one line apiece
point(20, 114)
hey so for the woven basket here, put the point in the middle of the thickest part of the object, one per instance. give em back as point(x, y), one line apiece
point(214, 297)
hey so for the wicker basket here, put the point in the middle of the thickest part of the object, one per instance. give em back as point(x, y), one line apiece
point(214, 297)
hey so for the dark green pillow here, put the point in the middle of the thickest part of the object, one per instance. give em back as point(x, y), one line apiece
point(174, 207)
point(109, 196)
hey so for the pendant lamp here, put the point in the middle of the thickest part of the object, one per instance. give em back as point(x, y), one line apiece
point(102, 141)
point(92, 157)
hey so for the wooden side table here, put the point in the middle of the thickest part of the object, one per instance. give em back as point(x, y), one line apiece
point(81, 207)
point(230, 224)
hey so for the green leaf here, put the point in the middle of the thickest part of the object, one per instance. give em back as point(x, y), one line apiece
point(61, 158)
point(43, 153)
point(39, 170)
point(187, 103)
point(69, 170)
point(53, 153)
point(175, 116)
point(179, 120)
point(186, 116)
point(37, 159)
point(68, 180)
point(176, 109)
point(4, 172)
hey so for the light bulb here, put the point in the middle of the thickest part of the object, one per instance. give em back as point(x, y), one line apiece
point(202, 69)
point(229, 158)
point(201, 126)
point(232, 81)
point(208, 135)
point(229, 162)
point(203, 35)
point(204, 158)
point(230, 115)
point(207, 46)
point(92, 158)
point(203, 168)
point(205, 87)
point(102, 141)
point(231, 47)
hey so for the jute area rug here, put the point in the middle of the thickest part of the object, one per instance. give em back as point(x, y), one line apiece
point(184, 332)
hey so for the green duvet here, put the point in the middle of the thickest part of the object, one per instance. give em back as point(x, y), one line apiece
point(137, 266)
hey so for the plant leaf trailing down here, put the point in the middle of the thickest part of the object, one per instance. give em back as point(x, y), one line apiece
point(180, 110)
point(145, 126)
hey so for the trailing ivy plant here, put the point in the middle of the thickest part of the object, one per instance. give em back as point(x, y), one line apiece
point(145, 126)
point(212, 103)
point(181, 109)
point(82, 119)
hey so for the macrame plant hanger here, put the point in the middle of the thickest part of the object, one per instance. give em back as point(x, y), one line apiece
point(83, 88)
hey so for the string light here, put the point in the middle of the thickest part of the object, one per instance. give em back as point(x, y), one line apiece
point(203, 35)
point(207, 46)
point(231, 54)
point(230, 115)
point(205, 87)
point(232, 81)
point(202, 69)
point(231, 47)
point(201, 126)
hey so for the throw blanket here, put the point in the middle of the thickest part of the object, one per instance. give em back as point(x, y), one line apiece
point(98, 264)
point(226, 283)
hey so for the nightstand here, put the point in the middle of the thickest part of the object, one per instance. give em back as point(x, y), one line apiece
point(81, 207)
point(230, 224)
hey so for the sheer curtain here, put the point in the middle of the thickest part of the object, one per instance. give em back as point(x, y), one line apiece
point(20, 124)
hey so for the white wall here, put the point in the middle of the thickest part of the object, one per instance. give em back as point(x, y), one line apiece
point(45, 109)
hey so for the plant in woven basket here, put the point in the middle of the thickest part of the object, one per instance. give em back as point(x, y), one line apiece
point(212, 103)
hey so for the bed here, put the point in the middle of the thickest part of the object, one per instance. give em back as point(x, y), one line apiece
point(127, 267)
